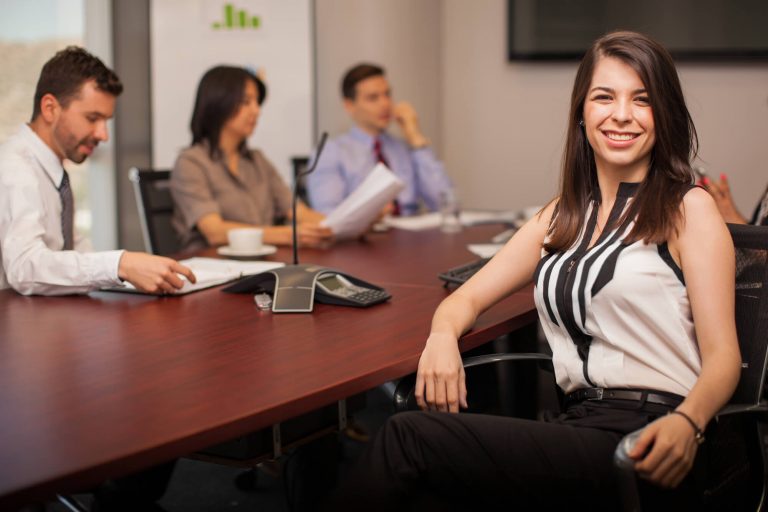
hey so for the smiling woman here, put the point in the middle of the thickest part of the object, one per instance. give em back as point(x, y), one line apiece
point(641, 330)
point(620, 93)
point(618, 120)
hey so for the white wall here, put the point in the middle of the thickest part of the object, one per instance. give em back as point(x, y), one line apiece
point(504, 123)
point(184, 46)
point(729, 104)
point(403, 36)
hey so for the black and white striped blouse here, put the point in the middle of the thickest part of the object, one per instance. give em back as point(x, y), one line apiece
point(617, 315)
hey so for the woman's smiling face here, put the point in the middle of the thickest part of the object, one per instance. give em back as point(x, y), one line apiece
point(618, 119)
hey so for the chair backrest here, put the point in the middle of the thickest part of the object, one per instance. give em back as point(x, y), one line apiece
point(300, 164)
point(155, 205)
point(751, 243)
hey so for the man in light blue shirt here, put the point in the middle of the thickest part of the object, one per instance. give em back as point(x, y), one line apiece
point(349, 158)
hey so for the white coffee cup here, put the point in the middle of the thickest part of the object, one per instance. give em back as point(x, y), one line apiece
point(245, 240)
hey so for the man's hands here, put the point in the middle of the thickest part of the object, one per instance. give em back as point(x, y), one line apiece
point(407, 119)
point(440, 380)
point(672, 444)
point(153, 274)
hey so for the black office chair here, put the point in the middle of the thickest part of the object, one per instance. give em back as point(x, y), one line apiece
point(480, 370)
point(300, 164)
point(155, 205)
point(737, 476)
point(740, 470)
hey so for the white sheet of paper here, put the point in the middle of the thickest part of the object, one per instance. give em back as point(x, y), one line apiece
point(467, 218)
point(211, 272)
point(484, 250)
point(356, 213)
point(415, 222)
point(475, 217)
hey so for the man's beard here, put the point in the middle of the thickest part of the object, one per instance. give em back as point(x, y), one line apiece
point(74, 155)
point(69, 145)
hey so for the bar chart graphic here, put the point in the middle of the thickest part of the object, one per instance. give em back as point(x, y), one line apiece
point(236, 19)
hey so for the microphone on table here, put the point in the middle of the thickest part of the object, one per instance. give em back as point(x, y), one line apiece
point(296, 180)
point(295, 286)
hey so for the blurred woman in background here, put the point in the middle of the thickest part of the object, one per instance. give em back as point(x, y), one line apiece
point(218, 183)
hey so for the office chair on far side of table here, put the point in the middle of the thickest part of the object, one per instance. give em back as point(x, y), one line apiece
point(155, 206)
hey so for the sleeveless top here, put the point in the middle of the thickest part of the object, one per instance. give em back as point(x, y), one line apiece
point(617, 315)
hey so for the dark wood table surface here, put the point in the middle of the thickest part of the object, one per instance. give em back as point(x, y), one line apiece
point(102, 385)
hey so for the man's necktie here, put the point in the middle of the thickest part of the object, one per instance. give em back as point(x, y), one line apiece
point(378, 154)
point(67, 212)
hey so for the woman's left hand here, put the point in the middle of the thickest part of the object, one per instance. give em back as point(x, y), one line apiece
point(671, 447)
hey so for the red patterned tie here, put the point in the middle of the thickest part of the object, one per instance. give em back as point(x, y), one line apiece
point(379, 156)
point(378, 153)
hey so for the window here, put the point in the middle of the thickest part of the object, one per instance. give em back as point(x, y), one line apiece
point(30, 34)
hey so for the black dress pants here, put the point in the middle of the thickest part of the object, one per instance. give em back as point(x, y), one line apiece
point(135, 492)
point(440, 461)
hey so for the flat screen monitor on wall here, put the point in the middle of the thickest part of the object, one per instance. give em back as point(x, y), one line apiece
point(690, 29)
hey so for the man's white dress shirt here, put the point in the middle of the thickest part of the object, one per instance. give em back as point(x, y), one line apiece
point(31, 242)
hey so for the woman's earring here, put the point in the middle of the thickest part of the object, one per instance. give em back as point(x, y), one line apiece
point(581, 123)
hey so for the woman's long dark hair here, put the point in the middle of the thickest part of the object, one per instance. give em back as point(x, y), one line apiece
point(656, 206)
point(220, 94)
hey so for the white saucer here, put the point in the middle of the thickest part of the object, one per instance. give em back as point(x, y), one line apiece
point(263, 251)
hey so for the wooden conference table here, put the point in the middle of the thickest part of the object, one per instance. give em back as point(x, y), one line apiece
point(99, 386)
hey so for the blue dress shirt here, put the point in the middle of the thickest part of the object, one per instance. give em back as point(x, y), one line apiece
point(349, 158)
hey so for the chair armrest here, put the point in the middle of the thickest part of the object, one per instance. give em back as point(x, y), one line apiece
point(732, 409)
point(470, 362)
point(630, 497)
point(404, 400)
point(620, 456)
point(625, 468)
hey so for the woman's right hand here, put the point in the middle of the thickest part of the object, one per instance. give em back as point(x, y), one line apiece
point(440, 380)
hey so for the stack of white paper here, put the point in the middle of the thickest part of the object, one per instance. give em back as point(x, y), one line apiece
point(467, 218)
point(484, 250)
point(211, 272)
point(363, 206)
point(475, 217)
point(415, 222)
point(208, 270)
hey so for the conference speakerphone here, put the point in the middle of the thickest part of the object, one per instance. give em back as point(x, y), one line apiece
point(334, 288)
point(294, 288)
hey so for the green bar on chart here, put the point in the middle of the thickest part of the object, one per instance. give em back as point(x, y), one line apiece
point(242, 16)
point(229, 16)
point(255, 22)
